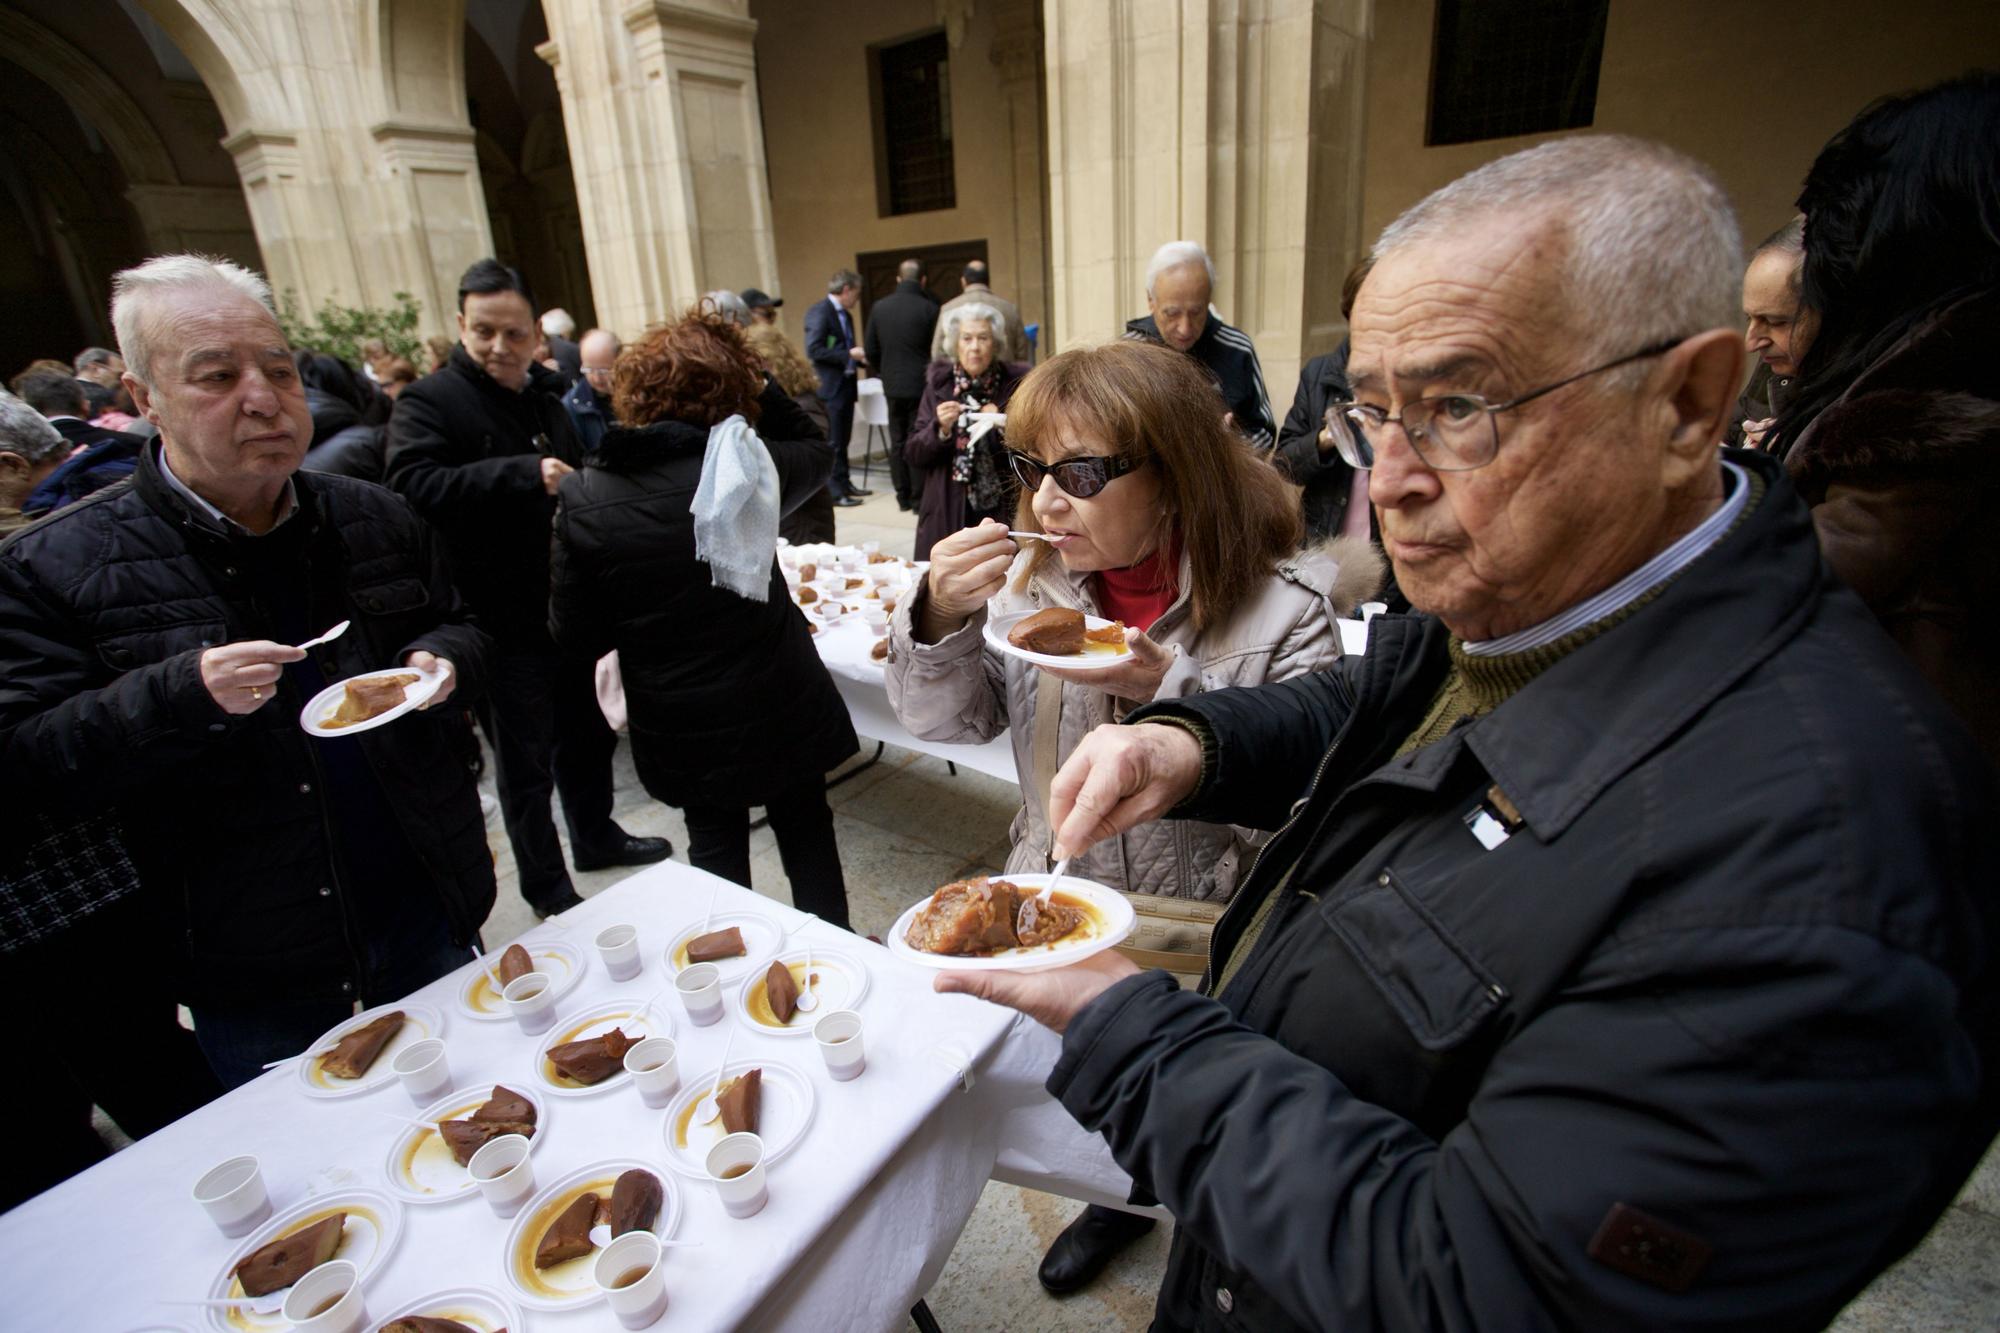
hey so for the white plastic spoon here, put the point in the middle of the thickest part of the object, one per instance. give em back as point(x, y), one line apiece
point(807, 1000)
point(1049, 889)
point(327, 637)
point(600, 1236)
point(428, 1126)
point(493, 973)
point(308, 1055)
point(708, 917)
point(1030, 536)
point(707, 1109)
point(269, 1303)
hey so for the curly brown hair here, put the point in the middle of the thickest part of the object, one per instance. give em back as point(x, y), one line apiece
point(699, 370)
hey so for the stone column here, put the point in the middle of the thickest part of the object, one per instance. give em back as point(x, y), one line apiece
point(1235, 123)
point(667, 147)
point(348, 125)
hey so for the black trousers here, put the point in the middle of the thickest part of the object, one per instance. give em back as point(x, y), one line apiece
point(719, 842)
point(540, 714)
point(102, 974)
point(902, 415)
point(839, 431)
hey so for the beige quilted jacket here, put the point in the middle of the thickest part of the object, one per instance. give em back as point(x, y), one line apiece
point(960, 691)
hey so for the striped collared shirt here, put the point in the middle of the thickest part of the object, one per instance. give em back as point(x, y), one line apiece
point(1640, 581)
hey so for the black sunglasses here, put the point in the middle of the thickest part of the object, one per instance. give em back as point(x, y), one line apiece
point(1080, 477)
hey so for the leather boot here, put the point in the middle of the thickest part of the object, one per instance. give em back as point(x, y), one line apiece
point(1087, 1245)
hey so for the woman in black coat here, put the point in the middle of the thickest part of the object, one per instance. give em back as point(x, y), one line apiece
point(729, 703)
point(963, 480)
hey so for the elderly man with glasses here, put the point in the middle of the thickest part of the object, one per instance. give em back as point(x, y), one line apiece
point(1624, 955)
point(588, 401)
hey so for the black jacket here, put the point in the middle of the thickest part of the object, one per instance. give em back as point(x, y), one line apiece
point(104, 611)
point(342, 443)
point(1239, 378)
point(898, 339)
point(1734, 969)
point(830, 349)
point(729, 701)
point(108, 457)
point(467, 454)
point(1328, 480)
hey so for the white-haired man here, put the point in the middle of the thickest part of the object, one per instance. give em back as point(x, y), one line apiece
point(588, 401)
point(1180, 283)
point(31, 449)
point(559, 331)
point(1624, 957)
point(146, 668)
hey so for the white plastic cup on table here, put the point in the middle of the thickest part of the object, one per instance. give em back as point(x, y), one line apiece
point(327, 1300)
point(422, 1067)
point(838, 1036)
point(232, 1194)
point(876, 619)
point(629, 1273)
point(736, 1166)
point(504, 1173)
point(701, 993)
point(619, 947)
point(532, 1001)
point(655, 1071)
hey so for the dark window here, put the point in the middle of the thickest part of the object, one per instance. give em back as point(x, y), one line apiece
point(1514, 67)
point(913, 129)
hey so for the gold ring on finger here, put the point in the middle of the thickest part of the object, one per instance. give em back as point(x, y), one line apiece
point(256, 693)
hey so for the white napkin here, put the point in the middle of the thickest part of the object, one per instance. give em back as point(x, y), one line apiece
point(736, 510)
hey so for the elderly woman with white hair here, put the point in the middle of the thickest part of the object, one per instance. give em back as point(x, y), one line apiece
point(963, 474)
point(30, 449)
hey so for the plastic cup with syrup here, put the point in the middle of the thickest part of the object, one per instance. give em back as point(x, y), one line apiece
point(423, 1070)
point(655, 1070)
point(629, 1273)
point(232, 1193)
point(736, 1167)
point(618, 946)
point(838, 1037)
point(327, 1300)
point(531, 999)
point(700, 987)
point(503, 1173)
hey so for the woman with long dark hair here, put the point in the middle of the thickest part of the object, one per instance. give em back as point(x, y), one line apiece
point(1894, 435)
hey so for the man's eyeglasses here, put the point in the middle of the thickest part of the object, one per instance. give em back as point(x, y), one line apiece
point(1453, 432)
point(1080, 477)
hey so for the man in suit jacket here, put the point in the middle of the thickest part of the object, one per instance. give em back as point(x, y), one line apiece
point(899, 347)
point(837, 357)
point(972, 280)
point(100, 457)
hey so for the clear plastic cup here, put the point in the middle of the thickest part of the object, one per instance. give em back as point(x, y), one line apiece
point(425, 1074)
point(838, 1036)
point(629, 1273)
point(655, 1070)
point(504, 1173)
point(736, 1166)
point(700, 987)
point(532, 1001)
point(327, 1300)
point(232, 1194)
point(619, 947)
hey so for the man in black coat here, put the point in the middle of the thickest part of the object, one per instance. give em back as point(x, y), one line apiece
point(145, 668)
point(477, 448)
point(898, 344)
point(1625, 954)
point(837, 358)
point(107, 455)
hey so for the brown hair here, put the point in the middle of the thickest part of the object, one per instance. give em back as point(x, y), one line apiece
point(700, 371)
point(1234, 515)
point(787, 364)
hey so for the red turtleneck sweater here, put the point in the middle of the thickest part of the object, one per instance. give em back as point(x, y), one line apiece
point(1140, 594)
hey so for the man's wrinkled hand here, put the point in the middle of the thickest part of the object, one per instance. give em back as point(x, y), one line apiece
point(1053, 997)
point(242, 677)
point(428, 663)
point(1118, 778)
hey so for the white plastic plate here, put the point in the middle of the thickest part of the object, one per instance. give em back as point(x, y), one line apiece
point(419, 1022)
point(322, 705)
point(569, 1285)
point(843, 984)
point(658, 1021)
point(421, 1169)
point(478, 998)
point(374, 1225)
point(1112, 919)
point(1090, 659)
point(786, 1103)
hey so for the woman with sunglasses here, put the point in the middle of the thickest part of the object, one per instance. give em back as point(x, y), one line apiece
point(1153, 513)
point(964, 478)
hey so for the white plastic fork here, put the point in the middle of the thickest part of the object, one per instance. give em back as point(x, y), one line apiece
point(707, 1109)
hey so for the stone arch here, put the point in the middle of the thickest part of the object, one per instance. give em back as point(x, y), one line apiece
point(94, 94)
point(407, 45)
point(221, 41)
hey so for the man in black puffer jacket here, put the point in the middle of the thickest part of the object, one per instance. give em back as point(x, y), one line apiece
point(477, 448)
point(145, 666)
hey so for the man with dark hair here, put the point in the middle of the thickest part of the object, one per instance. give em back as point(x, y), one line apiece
point(100, 365)
point(1778, 328)
point(478, 448)
point(837, 356)
point(972, 283)
point(107, 455)
point(899, 347)
point(763, 306)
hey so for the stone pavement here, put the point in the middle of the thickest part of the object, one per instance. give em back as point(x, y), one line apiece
point(894, 847)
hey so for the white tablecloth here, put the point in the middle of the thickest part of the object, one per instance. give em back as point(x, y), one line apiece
point(862, 1214)
point(844, 648)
